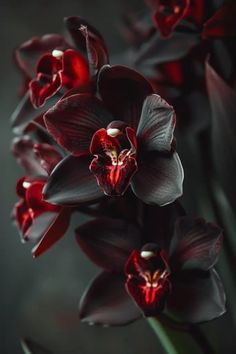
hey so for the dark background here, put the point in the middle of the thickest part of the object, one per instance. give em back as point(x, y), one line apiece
point(39, 298)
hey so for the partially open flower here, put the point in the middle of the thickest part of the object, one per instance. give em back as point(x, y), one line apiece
point(38, 221)
point(168, 14)
point(58, 69)
point(124, 139)
point(31, 204)
point(52, 66)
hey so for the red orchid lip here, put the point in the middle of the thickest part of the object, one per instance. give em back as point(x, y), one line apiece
point(115, 162)
point(31, 204)
point(55, 70)
point(38, 221)
point(148, 279)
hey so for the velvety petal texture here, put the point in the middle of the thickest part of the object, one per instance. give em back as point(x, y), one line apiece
point(73, 121)
point(195, 244)
point(72, 183)
point(159, 179)
point(197, 297)
point(107, 303)
point(156, 125)
point(108, 242)
point(56, 229)
point(156, 50)
point(123, 91)
point(25, 112)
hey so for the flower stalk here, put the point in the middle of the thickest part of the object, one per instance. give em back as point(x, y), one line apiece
point(178, 338)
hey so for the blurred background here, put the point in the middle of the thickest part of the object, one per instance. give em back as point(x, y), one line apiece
point(39, 298)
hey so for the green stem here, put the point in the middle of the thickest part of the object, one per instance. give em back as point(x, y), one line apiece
point(177, 338)
point(165, 340)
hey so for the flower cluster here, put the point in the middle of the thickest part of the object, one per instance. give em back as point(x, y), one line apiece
point(99, 139)
point(176, 45)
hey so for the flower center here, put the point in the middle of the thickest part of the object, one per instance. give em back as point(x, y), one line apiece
point(148, 280)
point(114, 149)
point(154, 283)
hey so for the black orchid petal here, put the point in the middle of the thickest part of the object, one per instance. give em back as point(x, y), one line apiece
point(106, 302)
point(108, 242)
point(157, 50)
point(72, 183)
point(54, 232)
point(39, 226)
point(25, 113)
point(74, 120)
point(159, 179)
point(156, 125)
point(123, 91)
point(195, 244)
point(87, 38)
point(196, 297)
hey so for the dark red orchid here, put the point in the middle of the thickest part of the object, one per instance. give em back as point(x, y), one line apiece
point(168, 13)
point(167, 62)
point(174, 275)
point(38, 221)
point(158, 277)
point(67, 69)
point(52, 66)
point(125, 138)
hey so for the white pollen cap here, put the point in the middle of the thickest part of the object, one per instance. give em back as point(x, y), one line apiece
point(26, 184)
point(147, 254)
point(57, 53)
point(113, 132)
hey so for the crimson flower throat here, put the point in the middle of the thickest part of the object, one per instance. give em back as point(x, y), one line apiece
point(114, 164)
